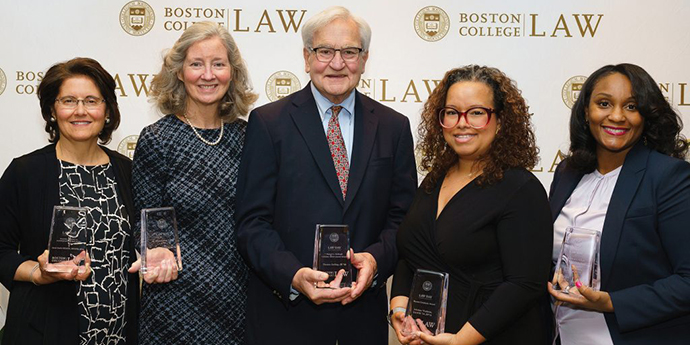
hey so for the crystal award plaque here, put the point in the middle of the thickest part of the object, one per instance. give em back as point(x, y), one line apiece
point(68, 239)
point(580, 248)
point(159, 239)
point(427, 303)
point(331, 247)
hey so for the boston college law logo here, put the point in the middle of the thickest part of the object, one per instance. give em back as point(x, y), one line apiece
point(3, 81)
point(137, 18)
point(571, 90)
point(281, 84)
point(431, 23)
point(127, 146)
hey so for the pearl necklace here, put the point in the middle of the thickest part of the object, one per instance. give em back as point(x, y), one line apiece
point(214, 143)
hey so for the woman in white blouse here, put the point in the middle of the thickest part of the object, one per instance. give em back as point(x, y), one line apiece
point(625, 176)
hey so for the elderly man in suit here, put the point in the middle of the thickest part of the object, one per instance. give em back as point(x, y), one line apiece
point(324, 155)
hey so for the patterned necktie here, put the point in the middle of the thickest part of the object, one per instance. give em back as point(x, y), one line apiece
point(338, 150)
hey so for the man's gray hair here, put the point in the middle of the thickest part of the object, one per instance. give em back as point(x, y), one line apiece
point(330, 14)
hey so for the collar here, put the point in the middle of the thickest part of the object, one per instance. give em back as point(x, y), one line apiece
point(323, 104)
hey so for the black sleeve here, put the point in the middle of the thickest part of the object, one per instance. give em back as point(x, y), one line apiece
point(258, 242)
point(525, 236)
point(402, 279)
point(10, 229)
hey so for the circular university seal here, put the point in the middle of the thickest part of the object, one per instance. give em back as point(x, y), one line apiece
point(70, 222)
point(127, 146)
point(333, 237)
point(427, 286)
point(571, 89)
point(431, 23)
point(162, 224)
point(3, 81)
point(137, 18)
point(281, 84)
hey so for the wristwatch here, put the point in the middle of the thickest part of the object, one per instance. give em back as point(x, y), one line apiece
point(393, 311)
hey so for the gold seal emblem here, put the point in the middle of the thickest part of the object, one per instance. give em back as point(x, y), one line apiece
point(137, 18)
point(281, 84)
point(431, 23)
point(127, 146)
point(571, 89)
point(3, 81)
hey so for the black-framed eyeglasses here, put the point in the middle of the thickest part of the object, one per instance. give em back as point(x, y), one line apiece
point(326, 54)
point(476, 117)
point(70, 102)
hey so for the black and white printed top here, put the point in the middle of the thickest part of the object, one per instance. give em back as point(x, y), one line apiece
point(103, 295)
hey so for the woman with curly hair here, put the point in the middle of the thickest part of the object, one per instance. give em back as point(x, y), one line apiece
point(625, 177)
point(479, 216)
point(189, 159)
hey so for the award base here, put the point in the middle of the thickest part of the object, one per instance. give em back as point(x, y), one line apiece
point(65, 268)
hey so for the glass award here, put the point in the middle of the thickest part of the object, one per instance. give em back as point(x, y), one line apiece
point(427, 303)
point(331, 254)
point(580, 248)
point(68, 239)
point(159, 239)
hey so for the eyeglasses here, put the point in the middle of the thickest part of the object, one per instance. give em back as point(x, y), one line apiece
point(90, 102)
point(325, 54)
point(477, 117)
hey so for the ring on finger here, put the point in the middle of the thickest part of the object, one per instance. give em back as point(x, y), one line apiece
point(566, 290)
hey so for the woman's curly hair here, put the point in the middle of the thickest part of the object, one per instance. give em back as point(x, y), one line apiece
point(662, 125)
point(513, 147)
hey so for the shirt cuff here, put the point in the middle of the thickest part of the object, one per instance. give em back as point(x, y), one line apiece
point(293, 293)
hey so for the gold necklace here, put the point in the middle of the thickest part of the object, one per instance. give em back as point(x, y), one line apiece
point(211, 143)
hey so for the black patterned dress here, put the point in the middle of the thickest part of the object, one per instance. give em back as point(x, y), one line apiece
point(103, 295)
point(172, 167)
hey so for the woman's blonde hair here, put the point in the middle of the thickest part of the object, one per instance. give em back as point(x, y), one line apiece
point(168, 92)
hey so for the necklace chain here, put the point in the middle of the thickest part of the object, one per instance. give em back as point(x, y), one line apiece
point(211, 143)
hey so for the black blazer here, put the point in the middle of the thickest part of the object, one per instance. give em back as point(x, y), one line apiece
point(287, 184)
point(645, 247)
point(46, 314)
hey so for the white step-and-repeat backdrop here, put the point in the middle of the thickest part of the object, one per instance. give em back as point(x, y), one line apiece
point(547, 47)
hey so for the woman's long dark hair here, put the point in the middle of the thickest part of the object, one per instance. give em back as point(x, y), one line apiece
point(662, 125)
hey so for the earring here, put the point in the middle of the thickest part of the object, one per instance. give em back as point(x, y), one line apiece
point(52, 119)
point(644, 140)
point(107, 120)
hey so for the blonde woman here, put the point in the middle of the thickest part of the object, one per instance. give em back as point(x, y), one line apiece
point(188, 159)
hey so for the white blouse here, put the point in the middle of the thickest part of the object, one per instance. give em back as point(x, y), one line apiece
point(586, 208)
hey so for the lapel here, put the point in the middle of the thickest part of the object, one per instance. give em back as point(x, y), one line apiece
point(565, 186)
point(629, 180)
point(366, 124)
point(308, 122)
